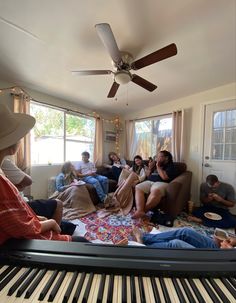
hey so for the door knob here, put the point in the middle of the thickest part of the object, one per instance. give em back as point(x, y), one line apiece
point(207, 165)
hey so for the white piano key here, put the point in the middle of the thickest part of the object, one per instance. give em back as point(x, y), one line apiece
point(105, 293)
point(213, 290)
point(83, 288)
point(115, 289)
point(74, 288)
point(95, 286)
point(190, 288)
point(119, 295)
point(150, 290)
point(146, 290)
point(203, 291)
point(63, 287)
point(162, 298)
point(137, 290)
point(171, 290)
point(128, 289)
point(92, 288)
point(225, 290)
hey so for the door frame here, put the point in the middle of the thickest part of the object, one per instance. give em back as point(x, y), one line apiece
point(202, 131)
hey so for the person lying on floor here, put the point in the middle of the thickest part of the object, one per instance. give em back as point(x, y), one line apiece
point(181, 238)
point(216, 197)
point(17, 219)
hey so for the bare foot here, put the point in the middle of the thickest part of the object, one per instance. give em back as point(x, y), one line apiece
point(122, 242)
point(137, 235)
point(138, 215)
point(194, 219)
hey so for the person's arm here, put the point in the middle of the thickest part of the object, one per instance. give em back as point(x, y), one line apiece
point(204, 196)
point(150, 168)
point(161, 172)
point(48, 225)
point(223, 201)
point(142, 175)
point(229, 243)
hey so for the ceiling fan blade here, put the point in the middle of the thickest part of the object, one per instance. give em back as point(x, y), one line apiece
point(161, 54)
point(90, 72)
point(105, 33)
point(113, 90)
point(144, 83)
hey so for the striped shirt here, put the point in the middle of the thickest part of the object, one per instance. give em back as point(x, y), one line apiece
point(17, 219)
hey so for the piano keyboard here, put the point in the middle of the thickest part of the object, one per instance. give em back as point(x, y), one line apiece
point(31, 284)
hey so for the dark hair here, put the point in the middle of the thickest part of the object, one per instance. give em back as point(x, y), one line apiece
point(109, 156)
point(135, 167)
point(86, 154)
point(212, 179)
point(66, 167)
point(168, 155)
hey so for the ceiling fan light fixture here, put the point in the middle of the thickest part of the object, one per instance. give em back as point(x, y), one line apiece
point(122, 77)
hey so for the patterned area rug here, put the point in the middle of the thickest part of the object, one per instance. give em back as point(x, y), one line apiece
point(113, 228)
point(116, 228)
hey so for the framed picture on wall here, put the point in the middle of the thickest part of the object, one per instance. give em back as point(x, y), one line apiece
point(110, 136)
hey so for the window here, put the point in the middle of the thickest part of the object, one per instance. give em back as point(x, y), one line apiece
point(153, 135)
point(59, 136)
point(224, 135)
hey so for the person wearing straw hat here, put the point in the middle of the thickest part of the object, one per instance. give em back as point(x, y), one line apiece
point(17, 219)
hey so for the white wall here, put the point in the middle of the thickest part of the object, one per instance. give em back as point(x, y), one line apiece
point(193, 106)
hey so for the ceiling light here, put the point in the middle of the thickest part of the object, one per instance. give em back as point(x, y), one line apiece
point(122, 77)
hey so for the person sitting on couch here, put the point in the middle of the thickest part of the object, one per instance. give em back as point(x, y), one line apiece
point(217, 197)
point(116, 165)
point(159, 174)
point(17, 219)
point(87, 172)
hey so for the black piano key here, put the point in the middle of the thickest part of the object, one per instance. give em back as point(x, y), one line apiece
point(196, 291)
point(230, 288)
point(70, 287)
point(18, 282)
point(79, 287)
point(6, 272)
point(27, 282)
point(187, 291)
point(178, 290)
point(35, 284)
point(233, 282)
point(141, 289)
point(110, 289)
point(210, 291)
point(48, 285)
point(88, 287)
point(164, 290)
point(132, 289)
point(155, 290)
point(124, 289)
point(101, 289)
point(218, 291)
point(57, 286)
point(12, 274)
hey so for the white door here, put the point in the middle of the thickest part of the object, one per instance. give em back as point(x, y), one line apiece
point(219, 155)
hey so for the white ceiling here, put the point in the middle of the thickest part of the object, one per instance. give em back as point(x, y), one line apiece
point(42, 41)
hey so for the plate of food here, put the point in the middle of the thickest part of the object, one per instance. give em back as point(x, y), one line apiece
point(212, 216)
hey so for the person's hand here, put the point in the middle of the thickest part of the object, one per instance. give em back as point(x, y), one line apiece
point(217, 197)
point(151, 164)
point(55, 226)
point(226, 244)
point(126, 166)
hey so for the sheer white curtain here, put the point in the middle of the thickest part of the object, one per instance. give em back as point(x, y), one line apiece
point(178, 136)
point(98, 144)
point(130, 140)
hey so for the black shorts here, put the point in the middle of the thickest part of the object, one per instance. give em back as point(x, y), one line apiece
point(45, 208)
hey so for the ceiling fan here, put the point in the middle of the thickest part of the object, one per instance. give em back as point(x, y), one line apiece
point(123, 62)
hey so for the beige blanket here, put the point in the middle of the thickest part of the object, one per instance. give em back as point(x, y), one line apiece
point(76, 202)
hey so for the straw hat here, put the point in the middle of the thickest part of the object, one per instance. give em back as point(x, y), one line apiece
point(13, 126)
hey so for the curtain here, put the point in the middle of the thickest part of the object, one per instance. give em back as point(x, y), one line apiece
point(98, 144)
point(178, 136)
point(22, 158)
point(130, 140)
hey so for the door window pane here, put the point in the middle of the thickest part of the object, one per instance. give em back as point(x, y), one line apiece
point(224, 135)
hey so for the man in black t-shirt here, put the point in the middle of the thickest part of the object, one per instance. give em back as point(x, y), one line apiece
point(159, 174)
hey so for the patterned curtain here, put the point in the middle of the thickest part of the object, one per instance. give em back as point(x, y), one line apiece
point(178, 136)
point(98, 145)
point(22, 158)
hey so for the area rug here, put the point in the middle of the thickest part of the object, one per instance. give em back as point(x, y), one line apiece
point(113, 228)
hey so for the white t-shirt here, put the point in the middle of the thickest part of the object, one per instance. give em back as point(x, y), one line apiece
point(85, 168)
point(12, 172)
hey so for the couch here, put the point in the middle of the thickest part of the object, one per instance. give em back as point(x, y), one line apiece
point(177, 192)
